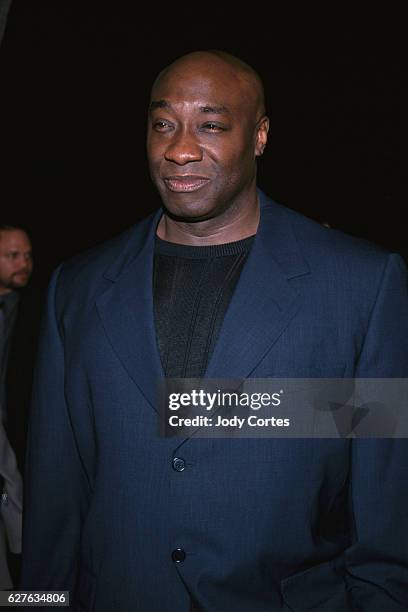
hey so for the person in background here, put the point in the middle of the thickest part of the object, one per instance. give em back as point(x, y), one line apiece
point(10, 477)
point(18, 329)
point(15, 272)
point(21, 315)
point(21, 304)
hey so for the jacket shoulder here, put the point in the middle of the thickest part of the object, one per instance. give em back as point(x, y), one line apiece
point(323, 244)
point(82, 274)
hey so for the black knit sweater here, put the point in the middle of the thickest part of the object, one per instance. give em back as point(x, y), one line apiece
point(192, 290)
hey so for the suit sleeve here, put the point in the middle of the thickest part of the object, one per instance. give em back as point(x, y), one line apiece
point(377, 563)
point(55, 483)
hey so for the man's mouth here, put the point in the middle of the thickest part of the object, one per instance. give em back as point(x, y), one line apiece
point(186, 183)
point(22, 273)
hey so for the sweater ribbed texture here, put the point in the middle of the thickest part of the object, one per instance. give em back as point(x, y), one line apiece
point(192, 288)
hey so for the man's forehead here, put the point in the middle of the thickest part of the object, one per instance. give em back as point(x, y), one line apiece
point(205, 95)
point(209, 80)
point(14, 237)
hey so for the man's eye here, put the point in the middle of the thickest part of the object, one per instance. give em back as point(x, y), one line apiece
point(160, 125)
point(213, 127)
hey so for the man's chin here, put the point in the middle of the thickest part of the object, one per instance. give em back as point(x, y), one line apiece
point(188, 213)
point(16, 286)
point(188, 216)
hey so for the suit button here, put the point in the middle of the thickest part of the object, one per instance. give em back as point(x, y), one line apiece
point(178, 555)
point(178, 464)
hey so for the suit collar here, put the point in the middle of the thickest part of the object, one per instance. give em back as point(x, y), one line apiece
point(264, 302)
point(276, 238)
point(262, 306)
point(126, 309)
point(140, 237)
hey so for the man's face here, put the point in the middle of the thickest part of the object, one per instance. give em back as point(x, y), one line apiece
point(15, 260)
point(203, 138)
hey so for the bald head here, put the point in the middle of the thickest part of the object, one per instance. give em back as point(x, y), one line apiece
point(206, 129)
point(217, 65)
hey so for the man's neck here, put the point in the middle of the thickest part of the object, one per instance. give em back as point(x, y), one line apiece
point(5, 291)
point(211, 231)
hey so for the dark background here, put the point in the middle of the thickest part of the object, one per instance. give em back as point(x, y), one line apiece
point(75, 81)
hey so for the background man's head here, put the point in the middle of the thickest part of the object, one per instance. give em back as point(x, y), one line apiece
point(207, 125)
point(16, 262)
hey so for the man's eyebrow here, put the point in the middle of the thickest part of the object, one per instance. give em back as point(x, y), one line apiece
point(214, 110)
point(158, 104)
point(210, 109)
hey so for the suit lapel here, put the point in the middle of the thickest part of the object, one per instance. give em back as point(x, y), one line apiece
point(262, 306)
point(263, 303)
point(126, 311)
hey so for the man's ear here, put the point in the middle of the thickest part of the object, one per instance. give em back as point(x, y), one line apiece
point(261, 136)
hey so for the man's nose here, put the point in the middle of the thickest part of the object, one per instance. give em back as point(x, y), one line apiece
point(183, 149)
point(24, 261)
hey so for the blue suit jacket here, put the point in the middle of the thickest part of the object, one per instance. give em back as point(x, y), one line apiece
point(266, 524)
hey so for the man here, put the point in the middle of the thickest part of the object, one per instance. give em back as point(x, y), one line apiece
point(22, 305)
point(15, 272)
point(227, 283)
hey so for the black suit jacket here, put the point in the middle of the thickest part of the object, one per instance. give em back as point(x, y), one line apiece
point(20, 369)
